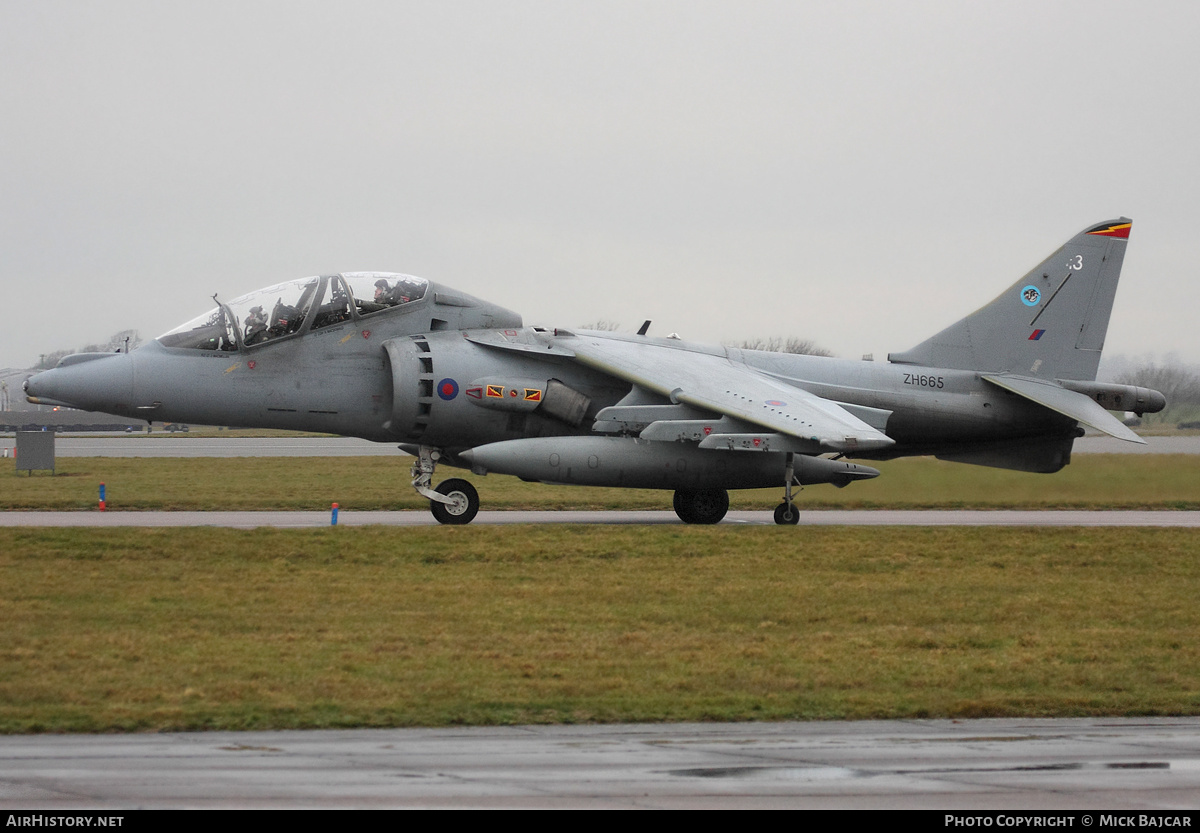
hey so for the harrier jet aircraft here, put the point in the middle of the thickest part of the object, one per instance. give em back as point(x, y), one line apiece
point(458, 381)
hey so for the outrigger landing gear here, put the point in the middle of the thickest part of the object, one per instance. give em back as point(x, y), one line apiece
point(706, 506)
point(786, 512)
point(454, 501)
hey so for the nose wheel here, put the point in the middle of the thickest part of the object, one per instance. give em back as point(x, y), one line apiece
point(454, 501)
point(463, 505)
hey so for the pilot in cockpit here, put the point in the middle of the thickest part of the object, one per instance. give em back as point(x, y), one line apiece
point(383, 293)
point(256, 326)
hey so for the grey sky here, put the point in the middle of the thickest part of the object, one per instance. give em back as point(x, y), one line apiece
point(857, 173)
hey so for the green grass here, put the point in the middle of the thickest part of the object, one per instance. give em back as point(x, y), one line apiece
point(156, 629)
point(123, 629)
point(1094, 481)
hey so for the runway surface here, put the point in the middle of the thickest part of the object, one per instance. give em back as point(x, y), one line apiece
point(1114, 764)
point(1013, 764)
point(181, 445)
point(873, 517)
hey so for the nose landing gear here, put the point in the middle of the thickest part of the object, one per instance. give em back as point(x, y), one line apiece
point(454, 501)
point(463, 506)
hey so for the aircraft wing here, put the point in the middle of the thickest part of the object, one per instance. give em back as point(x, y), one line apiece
point(793, 419)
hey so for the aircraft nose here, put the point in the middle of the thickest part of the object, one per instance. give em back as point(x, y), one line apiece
point(91, 382)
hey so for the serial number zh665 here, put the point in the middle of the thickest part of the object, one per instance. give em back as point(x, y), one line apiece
point(924, 381)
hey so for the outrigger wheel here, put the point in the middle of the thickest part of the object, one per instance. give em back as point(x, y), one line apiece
point(706, 506)
point(464, 505)
point(787, 513)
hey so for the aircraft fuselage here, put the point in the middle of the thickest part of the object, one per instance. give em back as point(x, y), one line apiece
point(348, 380)
point(452, 379)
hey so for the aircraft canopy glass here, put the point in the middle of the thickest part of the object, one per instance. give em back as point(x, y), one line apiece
point(294, 307)
point(377, 291)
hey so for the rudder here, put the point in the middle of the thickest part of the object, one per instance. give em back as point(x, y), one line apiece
point(1050, 324)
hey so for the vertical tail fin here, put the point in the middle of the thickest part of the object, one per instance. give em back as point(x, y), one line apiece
point(1050, 324)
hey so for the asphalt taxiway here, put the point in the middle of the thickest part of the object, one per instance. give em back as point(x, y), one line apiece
point(833, 517)
point(182, 445)
point(1009, 764)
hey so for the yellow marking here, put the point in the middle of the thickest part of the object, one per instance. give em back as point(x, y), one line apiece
point(1111, 229)
point(233, 367)
point(347, 337)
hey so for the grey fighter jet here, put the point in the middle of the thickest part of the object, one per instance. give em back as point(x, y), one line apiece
point(455, 380)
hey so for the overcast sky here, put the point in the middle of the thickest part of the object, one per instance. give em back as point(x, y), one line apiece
point(858, 173)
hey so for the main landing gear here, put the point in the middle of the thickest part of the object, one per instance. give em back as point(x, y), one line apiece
point(705, 506)
point(454, 501)
point(708, 506)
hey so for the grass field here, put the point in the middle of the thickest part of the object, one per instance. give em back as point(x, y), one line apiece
point(155, 629)
point(362, 483)
point(127, 629)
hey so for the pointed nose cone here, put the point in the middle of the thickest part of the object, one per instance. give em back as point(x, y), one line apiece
point(88, 381)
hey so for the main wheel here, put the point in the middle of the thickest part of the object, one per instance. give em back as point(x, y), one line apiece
point(785, 514)
point(706, 506)
point(464, 507)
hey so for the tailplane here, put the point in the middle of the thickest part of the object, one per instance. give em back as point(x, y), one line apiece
point(1049, 325)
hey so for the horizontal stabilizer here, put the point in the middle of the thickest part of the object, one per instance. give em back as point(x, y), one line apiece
point(1069, 403)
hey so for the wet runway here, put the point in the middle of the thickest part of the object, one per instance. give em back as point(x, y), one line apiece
point(873, 517)
point(1010, 764)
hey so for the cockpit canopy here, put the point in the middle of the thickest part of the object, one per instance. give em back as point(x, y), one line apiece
point(295, 307)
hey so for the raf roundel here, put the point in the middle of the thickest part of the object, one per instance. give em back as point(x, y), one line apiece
point(447, 389)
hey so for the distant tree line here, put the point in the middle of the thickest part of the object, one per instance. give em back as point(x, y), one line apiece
point(782, 344)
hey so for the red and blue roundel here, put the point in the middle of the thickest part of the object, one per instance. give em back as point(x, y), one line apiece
point(447, 389)
point(776, 403)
